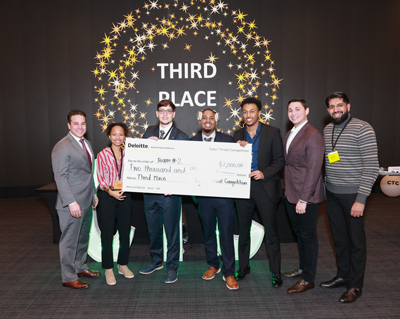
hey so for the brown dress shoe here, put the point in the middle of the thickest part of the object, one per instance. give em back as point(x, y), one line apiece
point(76, 284)
point(351, 295)
point(210, 273)
point(292, 274)
point(301, 286)
point(231, 282)
point(88, 273)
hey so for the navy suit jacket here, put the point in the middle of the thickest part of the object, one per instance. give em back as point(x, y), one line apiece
point(176, 134)
point(270, 158)
point(219, 137)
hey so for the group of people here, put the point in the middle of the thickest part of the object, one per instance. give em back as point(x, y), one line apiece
point(347, 147)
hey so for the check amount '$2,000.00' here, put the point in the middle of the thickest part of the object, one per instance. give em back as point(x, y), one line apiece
point(187, 168)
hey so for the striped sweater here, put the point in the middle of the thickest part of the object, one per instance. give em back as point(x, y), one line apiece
point(358, 167)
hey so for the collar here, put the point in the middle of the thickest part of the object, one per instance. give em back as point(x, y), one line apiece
point(213, 134)
point(297, 129)
point(77, 138)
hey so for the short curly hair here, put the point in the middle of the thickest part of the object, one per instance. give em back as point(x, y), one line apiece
point(123, 125)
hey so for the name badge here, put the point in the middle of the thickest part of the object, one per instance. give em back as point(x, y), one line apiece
point(117, 185)
point(333, 157)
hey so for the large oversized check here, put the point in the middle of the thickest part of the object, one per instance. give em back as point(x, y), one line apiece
point(187, 168)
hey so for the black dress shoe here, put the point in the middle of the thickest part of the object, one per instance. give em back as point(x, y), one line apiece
point(351, 295)
point(334, 283)
point(292, 274)
point(242, 272)
point(276, 280)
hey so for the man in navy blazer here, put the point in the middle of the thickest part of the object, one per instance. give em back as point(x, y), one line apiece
point(164, 209)
point(304, 156)
point(265, 189)
point(213, 208)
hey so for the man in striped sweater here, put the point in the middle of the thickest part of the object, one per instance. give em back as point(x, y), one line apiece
point(351, 165)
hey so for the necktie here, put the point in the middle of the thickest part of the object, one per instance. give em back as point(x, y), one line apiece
point(87, 153)
point(162, 133)
point(208, 139)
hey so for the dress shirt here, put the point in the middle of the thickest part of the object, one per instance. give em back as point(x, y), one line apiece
point(107, 172)
point(87, 147)
point(293, 134)
point(212, 136)
point(254, 159)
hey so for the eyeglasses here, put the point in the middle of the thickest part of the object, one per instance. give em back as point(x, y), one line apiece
point(165, 111)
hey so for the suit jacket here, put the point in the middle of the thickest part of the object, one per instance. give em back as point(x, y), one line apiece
point(176, 134)
point(303, 169)
point(72, 173)
point(219, 137)
point(270, 158)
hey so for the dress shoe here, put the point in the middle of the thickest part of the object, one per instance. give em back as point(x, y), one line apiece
point(277, 281)
point(334, 283)
point(292, 274)
point(301, 286)
point(150, 269)
point(172, 276)
point(242, 272)
point(88, 273)
point(124, 270)
point(210, 273)
point(351, 295)
point(76, 284)
point(231, 282)
point(110, 278)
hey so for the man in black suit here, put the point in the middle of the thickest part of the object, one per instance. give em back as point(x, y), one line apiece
point(213, 208)
point(265, 192)
point(163, 209)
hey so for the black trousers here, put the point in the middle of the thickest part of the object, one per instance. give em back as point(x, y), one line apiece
point(224, 210)
point(305, 227)
point(268, 212)
point(112, 212)
point(348, 236)
point(163, 210)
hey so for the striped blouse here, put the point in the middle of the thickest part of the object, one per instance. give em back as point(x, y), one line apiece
point(106, 170)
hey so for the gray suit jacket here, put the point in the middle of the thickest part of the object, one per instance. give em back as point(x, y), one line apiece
point(72, 173)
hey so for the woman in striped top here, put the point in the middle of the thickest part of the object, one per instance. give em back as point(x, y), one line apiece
point(114, 209)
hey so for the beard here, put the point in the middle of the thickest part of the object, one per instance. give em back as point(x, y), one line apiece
point(207, 130)
point(341, 119)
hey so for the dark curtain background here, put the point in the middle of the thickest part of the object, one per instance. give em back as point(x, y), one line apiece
point(47, 50)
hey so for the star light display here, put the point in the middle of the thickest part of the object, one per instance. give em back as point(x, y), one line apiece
point(130, 41)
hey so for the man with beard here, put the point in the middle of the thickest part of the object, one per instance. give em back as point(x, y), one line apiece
point(265, 191)
point(351, 165)
point(163, 209)
point(213, 208)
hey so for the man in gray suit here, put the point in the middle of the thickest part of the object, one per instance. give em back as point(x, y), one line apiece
point(72, 160)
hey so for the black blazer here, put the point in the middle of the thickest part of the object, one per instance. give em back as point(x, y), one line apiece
point(270, 158)
point(176, 134)
point(219, 137)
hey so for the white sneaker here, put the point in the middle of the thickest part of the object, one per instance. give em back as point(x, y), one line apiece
point(124, 270)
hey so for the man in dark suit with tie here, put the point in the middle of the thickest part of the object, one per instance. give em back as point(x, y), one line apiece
point(213, 208)
point(72, 160)
point(163, 209)
point(304, 155)
point(265, 191)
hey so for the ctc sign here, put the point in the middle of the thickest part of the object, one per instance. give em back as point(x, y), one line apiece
point(390, 185)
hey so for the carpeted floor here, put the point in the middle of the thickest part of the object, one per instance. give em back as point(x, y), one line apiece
point(31, 283)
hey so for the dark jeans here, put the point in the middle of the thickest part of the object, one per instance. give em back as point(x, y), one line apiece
point(348, 236)
point(112, 212)
point(305, 227)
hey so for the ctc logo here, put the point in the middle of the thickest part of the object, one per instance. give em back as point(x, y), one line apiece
point(390, 185)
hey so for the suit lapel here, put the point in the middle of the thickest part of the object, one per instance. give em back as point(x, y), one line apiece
point(79, 148)
point(261, 140)
point(297, 137)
